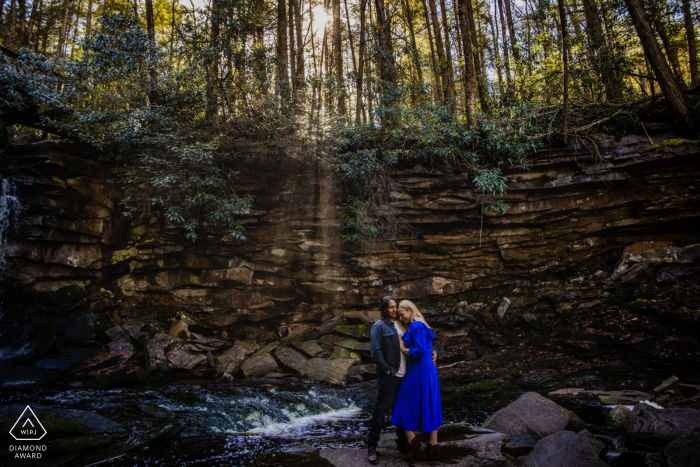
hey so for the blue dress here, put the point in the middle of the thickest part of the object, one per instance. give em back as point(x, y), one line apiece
point(417, 405)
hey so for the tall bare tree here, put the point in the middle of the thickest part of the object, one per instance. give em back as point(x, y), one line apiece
point(677, 99)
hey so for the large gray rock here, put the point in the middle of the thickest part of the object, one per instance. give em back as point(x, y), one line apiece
point(319, 369)
point(156, 349)
point(311, 348)
point(668, 423)
point(290, 358)
point(183, 359)
point(260, 366)
point(478, 450)
point(230, 361)
point(683, 451)
point(532, 415)
point(565, 449)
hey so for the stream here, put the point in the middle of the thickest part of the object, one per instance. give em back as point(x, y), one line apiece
point(233, 424)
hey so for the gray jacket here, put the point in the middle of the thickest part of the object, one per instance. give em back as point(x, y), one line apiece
point(384, 347)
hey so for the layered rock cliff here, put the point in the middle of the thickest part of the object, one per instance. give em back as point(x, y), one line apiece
point(579, 222)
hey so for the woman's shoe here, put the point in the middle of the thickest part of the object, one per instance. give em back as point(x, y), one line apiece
point(429, 453)
point(414, 449)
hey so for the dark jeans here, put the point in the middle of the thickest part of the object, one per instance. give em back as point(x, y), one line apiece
point(386, 389)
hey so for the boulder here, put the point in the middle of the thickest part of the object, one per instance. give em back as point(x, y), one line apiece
point(669, 423)
point(531, 415)
point(503, 308)
point(311, 348)
point(63, 359)
point(290, 358)
point(116, 333)
point(82, 328)
point(180, 329)
point(478, 450)
point(354, 345)
point(133, 329)
point(156, 349)
point(249, 347)
point(319, 369)
point(184, 359)
point(340, 352)
point(230, 361)
point(618, 418)
point(683, 451)
point(563, 448)
point(260, 366)
point(360, 373)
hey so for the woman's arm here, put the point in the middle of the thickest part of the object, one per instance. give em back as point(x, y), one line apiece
point(420, 342)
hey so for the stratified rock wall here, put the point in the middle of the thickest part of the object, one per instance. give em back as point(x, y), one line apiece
point(572, 212)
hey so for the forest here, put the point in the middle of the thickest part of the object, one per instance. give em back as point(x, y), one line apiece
point(180, 94)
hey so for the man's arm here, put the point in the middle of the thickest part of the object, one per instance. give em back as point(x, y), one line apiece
point(375, 345)
point(434, 358)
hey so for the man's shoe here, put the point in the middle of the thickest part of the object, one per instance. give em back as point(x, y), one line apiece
point(372, 455)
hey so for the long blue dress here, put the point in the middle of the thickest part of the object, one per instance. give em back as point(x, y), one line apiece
point(417, 405)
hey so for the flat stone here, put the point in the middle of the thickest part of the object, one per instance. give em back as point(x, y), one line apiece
point(260, 366)
point(230, 361)
point(290, 358)
point(564, 448)
point(670, 384)
point(669, 423)
point(340, 352)
point(319, 369)
point(531, 415)
point(310, 348)
point(621, 397)
point(355, 345)
point(478, 450)
point(182, 359)
point(116, 333)
point(250, 347)
point(155, 351)
point(503, 307)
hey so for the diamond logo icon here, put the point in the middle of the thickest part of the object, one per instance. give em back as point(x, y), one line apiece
point(28, 427)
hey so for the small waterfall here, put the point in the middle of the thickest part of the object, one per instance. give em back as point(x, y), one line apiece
point(10, 208)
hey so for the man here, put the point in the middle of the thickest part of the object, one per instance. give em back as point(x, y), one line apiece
point(385, 351)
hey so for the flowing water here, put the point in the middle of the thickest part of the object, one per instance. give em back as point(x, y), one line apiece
point(232, 424)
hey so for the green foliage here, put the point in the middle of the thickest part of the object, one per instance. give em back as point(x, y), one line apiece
point(353, 223)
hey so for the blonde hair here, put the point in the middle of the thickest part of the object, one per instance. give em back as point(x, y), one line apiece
point(415, 314)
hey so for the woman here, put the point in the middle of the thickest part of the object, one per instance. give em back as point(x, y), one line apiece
point(417, 404)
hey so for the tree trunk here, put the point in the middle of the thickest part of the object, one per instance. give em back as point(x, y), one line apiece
point(2, 12)
point(150, 23)
point(11, 29)
point(299, 72)
point(412, 34)
point(477, 62)
point(676, 98)
point(448, 52)
point(281, 52)
point(437, 89)
point(442, 65)
point(22, 13)
point(601, 53)
point(64, 27)
point(469, 73)
point(292, 45)
point(511, 29)
point(36, 7)
point(88, 21)
point(212, 109)
point(75, 28)
point(565, 60)
point(494, 38)
point(338, 58)
point(670, 48)
point(506, 53)
point(352, 41)
point(361, 62)
point(692, 45)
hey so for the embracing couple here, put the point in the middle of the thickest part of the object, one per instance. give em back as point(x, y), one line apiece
point(401, 346)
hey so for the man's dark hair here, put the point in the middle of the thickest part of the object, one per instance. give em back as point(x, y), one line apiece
point(384, 306)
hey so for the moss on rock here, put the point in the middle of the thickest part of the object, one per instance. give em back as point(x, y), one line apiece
point(672, 143)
